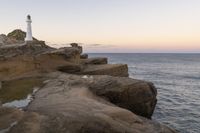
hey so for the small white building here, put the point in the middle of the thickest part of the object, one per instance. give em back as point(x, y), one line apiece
point(29, 30)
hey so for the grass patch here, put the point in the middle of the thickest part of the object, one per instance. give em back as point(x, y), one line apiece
point(18, 89)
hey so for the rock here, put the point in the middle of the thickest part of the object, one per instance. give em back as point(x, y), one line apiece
point(69, 106)
point(105, 121)
point(37, 57)
point(0, 85)
point(17, 121)
point(8, 116)
point(108, 69)
point(70, 68)
point(29, 48)
point(135, 95)
point(95, 61)
point(73, 103)
point(18, 35)
point(84, 56)
point(4, 40)
point(74, 44)
point(66, 52)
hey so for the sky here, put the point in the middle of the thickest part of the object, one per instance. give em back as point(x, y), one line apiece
point(114, 26)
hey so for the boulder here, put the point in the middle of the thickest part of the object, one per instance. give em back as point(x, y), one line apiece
point(75, 45)
point(95, 61)
point(84, 56)
point(107, 69)
point(135, 95)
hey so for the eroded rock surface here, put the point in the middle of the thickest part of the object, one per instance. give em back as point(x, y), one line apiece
point(18, 34)
point(4, 40)
point(135, 95)
point(107, 69)
point(95, 61)
point(35, 56)
point(72, 107)
point(68, 103)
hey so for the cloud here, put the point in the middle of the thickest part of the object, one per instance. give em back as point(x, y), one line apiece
point(100, 45)
point(81, 44)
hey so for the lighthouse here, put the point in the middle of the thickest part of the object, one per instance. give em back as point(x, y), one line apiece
point(29, 30)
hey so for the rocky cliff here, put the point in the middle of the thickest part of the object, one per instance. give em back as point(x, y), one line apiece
point(76, 94)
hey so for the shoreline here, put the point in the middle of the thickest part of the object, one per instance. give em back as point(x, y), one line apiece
point(106, 97)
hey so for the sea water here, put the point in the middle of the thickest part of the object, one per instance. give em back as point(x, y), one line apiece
point(177, 79)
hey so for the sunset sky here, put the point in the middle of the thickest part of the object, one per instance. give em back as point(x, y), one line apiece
point(109, 25)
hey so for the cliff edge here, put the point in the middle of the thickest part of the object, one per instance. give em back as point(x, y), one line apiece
point(74, 93)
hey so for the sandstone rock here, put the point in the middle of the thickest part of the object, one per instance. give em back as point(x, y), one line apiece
point(8, 116)
point(18, 35)
point(17, 121)
point(135, 95)
point(4, 40)
point(32, 49)
point(66, 52)
point(84, 56)
point(69, 106)
point(36, 56)
point(70, 68)
point(72, 103)
point(0, 85)
point(108, 69)
point(95, 61)
point(75, 45)
point(105, 121)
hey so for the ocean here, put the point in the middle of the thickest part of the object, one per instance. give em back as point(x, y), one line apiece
point(177, 79)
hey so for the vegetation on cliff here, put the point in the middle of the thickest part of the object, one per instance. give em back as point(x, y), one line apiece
point(18, 34)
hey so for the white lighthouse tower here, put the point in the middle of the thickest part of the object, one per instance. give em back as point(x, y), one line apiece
point(29, 30)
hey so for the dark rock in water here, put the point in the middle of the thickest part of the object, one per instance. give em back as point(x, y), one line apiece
point(84, 56)
point(18, 35)
point(95, 61)
point(135, 95)
point(107, 69)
